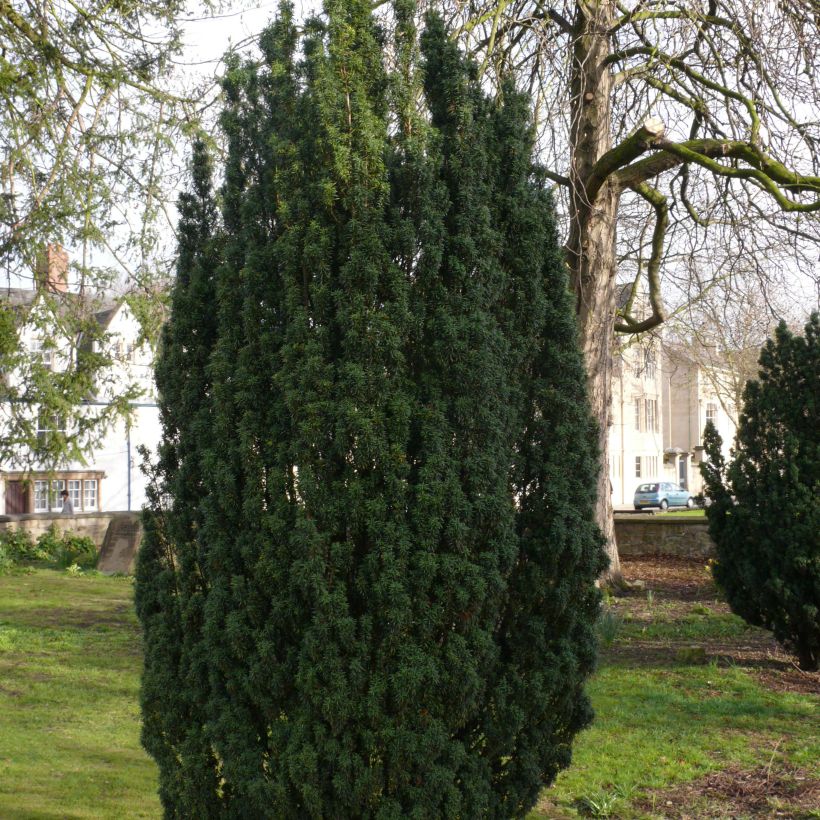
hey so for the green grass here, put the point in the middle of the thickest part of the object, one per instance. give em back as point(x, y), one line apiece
point(70, 661)
point(69, 716)
point(691, 626)
point(658, 727)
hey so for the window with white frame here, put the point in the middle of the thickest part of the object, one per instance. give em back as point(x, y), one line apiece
point(57, 486)
point(649, 368)
point(638, 413)
point(41, 353)
point(48, 424)
point(711, 413)
point(41, 500)
point(652, 415)
point(74, 493)
point(90, 494)
point(651, 466)
point(638, 467)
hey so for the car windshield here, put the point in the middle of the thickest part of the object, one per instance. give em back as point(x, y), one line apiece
point(648, 488)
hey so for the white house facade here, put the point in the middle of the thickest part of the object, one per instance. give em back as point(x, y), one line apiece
point(110, 478)
point(661, 401)
point(694, 396)
point(636, 437)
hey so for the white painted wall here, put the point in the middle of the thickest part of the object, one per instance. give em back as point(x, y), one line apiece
point(123, 487)
point(690, 392)
point(630, 435)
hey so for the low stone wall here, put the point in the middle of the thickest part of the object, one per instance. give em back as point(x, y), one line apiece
point(637, 534)
point(116, 534)
point(640, 535)
point(94, 525)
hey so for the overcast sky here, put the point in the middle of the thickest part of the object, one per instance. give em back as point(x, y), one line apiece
point(207, 38)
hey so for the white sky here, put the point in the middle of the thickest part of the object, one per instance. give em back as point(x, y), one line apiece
point(207, 38)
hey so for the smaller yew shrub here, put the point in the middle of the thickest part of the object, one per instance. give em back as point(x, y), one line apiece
point(765, 511)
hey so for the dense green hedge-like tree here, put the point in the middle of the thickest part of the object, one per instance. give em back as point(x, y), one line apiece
point(171, 583)
point(373, 595)
point(765, 512)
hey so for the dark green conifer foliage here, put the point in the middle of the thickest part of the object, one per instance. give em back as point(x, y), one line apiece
point(395, 554)
point(765, 511)
point(171, 585)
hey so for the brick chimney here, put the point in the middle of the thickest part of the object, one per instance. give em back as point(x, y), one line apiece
point(52, 268)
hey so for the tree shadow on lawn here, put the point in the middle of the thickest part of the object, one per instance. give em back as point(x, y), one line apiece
point(105, 616)
point(681, 602)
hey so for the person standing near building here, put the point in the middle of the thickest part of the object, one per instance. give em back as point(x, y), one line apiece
point(68, 507)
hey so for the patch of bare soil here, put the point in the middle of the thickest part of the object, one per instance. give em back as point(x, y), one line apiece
point(733, 793)
point(677, 579)
point(674, 589)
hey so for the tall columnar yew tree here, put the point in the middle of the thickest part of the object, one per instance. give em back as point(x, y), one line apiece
point(765, 512)
point(171, 583)
point(372, 594)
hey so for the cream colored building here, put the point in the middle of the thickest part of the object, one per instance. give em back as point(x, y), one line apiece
point(694, 394)
point(661, 401)
point(636, 438)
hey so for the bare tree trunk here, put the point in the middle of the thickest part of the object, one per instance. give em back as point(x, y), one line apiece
point(591, 245)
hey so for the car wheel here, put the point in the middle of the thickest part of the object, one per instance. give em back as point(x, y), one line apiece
point(690, 503)
point(664, 505)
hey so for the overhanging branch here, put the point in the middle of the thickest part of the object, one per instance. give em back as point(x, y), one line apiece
point(769, 174)
point(559, 178)
point(658, 315)
point(646, 137)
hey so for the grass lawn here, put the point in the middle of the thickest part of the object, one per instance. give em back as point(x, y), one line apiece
point(70, 661)
point(698, 715)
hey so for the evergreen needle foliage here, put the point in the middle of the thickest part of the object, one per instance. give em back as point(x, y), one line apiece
point(765, 511)
point(371, 594)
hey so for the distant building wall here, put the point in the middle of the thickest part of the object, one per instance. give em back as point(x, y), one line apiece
point(123, 488)
point(636, 431)
point(692, 399)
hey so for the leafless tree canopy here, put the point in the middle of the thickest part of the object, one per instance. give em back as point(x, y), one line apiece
point(682, 136)
point(732, 175)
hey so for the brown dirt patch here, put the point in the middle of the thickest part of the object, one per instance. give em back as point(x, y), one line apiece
point(75, 618)
point(733, 793)
point(679, 579)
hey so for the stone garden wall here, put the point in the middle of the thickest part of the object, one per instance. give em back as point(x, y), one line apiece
point(116, 534)
point(94, 525)
point(646, 535)
point(638, 535)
